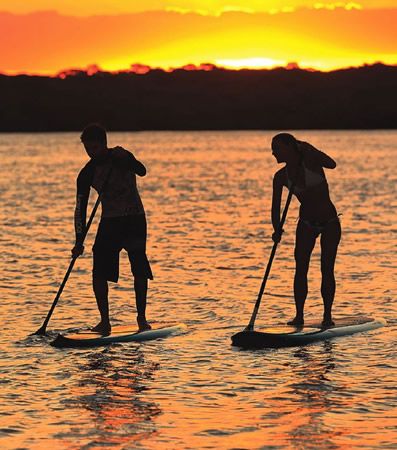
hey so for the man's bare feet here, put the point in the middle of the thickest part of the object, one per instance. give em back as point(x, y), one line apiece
point(102, 328)
point(143, 323)
point(296, 321)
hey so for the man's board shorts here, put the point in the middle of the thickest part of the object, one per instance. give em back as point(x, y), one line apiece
point(115, 234)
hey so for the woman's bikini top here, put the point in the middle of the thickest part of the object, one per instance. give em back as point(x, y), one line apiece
point(311, 179)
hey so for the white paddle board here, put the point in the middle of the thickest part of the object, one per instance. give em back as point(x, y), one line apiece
point(118, 334)
point(290, 336)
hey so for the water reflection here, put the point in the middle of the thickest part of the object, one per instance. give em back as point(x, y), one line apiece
point(110, 388)
point(313, 395)
point(208, 263)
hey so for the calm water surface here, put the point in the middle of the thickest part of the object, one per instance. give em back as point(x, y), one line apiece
point(207, 197)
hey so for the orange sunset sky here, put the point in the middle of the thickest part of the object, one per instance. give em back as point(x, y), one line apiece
point(45, 37)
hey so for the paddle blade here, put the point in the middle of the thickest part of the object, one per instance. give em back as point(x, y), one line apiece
point(245, 339)
point(250, 339)
point(40, 332)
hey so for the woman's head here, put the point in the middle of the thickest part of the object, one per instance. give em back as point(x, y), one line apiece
point(285, 147)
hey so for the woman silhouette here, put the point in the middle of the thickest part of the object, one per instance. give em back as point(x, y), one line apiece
point(317, 216)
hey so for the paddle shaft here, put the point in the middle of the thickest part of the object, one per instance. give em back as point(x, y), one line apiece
point(251, 324)
point(42, 329)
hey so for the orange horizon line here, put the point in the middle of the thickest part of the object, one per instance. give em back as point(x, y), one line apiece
point(142, 69)
point(203, 12)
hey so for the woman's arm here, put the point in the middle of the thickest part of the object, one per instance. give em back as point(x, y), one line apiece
point(276, 204)
point(314, 157)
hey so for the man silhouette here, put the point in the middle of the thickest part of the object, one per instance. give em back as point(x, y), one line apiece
point(122, 225)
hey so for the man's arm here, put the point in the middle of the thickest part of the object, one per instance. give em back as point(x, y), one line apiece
point(314, 157)
point(80, 213)
point(126, 159)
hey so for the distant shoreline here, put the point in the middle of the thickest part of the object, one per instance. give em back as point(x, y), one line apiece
point(363, 98)
point(205, 130)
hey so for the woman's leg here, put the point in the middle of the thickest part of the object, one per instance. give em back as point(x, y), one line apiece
point(330, 239)
point(304, 244)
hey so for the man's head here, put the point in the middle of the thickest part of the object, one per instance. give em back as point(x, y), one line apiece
point(94, 140)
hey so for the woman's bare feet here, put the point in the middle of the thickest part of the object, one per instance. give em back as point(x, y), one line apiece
point(102, 328)
point(143, 323)
point(327, 322)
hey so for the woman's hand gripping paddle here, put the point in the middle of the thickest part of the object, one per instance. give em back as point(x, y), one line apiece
point(277, 238)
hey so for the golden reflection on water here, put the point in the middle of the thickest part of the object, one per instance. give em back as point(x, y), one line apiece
point(109, 392)
point(207, 197)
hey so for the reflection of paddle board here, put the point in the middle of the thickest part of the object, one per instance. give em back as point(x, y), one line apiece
point(118, 334)
point(290, 336)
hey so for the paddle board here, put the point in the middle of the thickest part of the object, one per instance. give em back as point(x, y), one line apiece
point(290, 336)
point(118, 334)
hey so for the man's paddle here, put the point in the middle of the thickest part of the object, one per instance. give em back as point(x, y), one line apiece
point(42, 330)
point(251, 324)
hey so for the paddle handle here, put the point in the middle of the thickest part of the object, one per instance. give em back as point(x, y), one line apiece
point(42, 329)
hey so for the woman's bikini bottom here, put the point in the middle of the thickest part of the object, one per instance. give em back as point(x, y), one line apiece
point(319, 227)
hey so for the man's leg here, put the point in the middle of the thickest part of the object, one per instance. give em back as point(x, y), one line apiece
point(140, 287)
point(140, 266)
point(106, 251)
point(101, 290)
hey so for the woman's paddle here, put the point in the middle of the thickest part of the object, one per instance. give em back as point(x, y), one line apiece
point(251, 324)
point(42, 330)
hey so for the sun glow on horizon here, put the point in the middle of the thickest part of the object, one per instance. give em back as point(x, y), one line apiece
point(329, 37)
point(250, 63)
point(204, 7)
point(331, 6)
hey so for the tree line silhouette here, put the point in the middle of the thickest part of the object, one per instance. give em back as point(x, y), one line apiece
point(208, 99)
